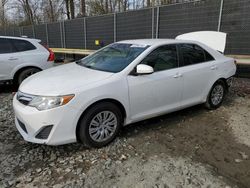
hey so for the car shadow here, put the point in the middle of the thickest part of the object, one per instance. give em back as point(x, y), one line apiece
point(7, 88)
point(170, 119)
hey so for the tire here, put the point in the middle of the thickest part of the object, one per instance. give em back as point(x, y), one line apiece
point(25, 74)
point(216, 95)
point(91, 127)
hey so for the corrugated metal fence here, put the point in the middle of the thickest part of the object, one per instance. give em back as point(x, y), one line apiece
point(230, 16)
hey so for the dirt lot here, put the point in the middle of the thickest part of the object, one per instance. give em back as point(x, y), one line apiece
point(190, 148)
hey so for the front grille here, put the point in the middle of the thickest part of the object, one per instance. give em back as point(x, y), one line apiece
point(24, 98)
point(22, 126)
point(44, 133)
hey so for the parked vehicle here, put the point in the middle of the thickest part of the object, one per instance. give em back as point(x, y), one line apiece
point(22, 57)
point(128, 81)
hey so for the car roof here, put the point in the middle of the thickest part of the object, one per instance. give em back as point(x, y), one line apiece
point(152, 42)
point(21, 38)
point(160, 42)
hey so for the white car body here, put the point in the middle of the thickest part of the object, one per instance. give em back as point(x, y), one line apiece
point(142, 97)
point(11, 63)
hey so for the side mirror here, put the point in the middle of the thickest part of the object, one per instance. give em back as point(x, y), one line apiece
point(144, 69)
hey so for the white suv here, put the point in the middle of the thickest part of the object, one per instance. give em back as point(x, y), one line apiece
point(22, 57)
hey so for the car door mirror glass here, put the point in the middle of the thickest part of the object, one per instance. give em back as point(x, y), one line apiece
point(144, 69)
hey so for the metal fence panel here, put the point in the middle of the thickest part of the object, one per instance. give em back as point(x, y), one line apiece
point(16, 32)
point(40, 33)
point(74, 33)
point(188, 17)
point(162, 22)
point(28, 31)
point(54, 35)
point(99, 28)
point(2, 31)
point(134, 24)
point(236, 22)
point(9, 32)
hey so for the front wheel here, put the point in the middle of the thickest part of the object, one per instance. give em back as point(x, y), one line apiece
point(216, 95)
point(100, 125)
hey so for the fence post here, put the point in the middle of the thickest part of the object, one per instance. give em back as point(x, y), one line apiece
point(33, 30)
point(220, 15)
point(157, 22)
point(47, 34)
point(20, 32)
point(153, 20)
point(61, 34)
point(85, 33)
point(114, 27)
point(64, 35)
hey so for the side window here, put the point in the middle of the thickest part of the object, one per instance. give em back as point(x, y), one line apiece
point(162, 58)
point(5, 46)
point(192, 54)
point(208, 56)
point(22, 45)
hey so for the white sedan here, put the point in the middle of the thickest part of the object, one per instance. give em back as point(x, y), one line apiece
point(128, 81)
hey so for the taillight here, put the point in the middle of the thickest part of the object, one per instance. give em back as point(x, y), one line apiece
point(51, 54)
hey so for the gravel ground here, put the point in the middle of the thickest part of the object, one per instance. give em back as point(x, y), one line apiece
point(190, 148)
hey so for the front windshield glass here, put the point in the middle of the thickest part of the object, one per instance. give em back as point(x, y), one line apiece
point(113, 58)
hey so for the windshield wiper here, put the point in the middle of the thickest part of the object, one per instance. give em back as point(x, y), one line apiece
point(88, 66)
point(78, 62)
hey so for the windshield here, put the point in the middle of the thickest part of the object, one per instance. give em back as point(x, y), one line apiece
point(113, 58)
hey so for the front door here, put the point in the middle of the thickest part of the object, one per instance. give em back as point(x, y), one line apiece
point(159, 92)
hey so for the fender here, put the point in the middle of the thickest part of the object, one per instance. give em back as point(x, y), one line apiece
point(21, 66)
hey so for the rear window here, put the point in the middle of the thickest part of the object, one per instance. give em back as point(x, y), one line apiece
point(5, 46)
point(22, 45)
point(193, 54)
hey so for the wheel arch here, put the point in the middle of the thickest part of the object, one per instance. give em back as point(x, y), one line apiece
point(114, 101)
point(208, 89)
point(224, 80)
point(19, 70)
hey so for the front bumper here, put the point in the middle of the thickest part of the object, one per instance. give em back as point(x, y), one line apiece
point(30, 122)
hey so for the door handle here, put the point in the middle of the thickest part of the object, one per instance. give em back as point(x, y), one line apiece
point(13, 58)
point(177, 75)
point(214, 67)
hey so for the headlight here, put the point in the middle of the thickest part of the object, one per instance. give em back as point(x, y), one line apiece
point(45, 103)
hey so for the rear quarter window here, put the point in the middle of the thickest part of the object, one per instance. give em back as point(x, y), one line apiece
point(22, 45)
point(208, 56)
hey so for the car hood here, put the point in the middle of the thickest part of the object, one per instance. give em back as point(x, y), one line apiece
point(61, 80)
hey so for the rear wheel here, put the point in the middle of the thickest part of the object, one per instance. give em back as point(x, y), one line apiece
point(100, 125)
point(25, 74)
point(216, 95)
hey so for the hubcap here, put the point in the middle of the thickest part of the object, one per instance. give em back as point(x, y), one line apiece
point(217, 94)
point(103, 126)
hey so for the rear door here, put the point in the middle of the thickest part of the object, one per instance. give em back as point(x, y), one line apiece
point(7, 59)
point(25, 52)
point(198, 69)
